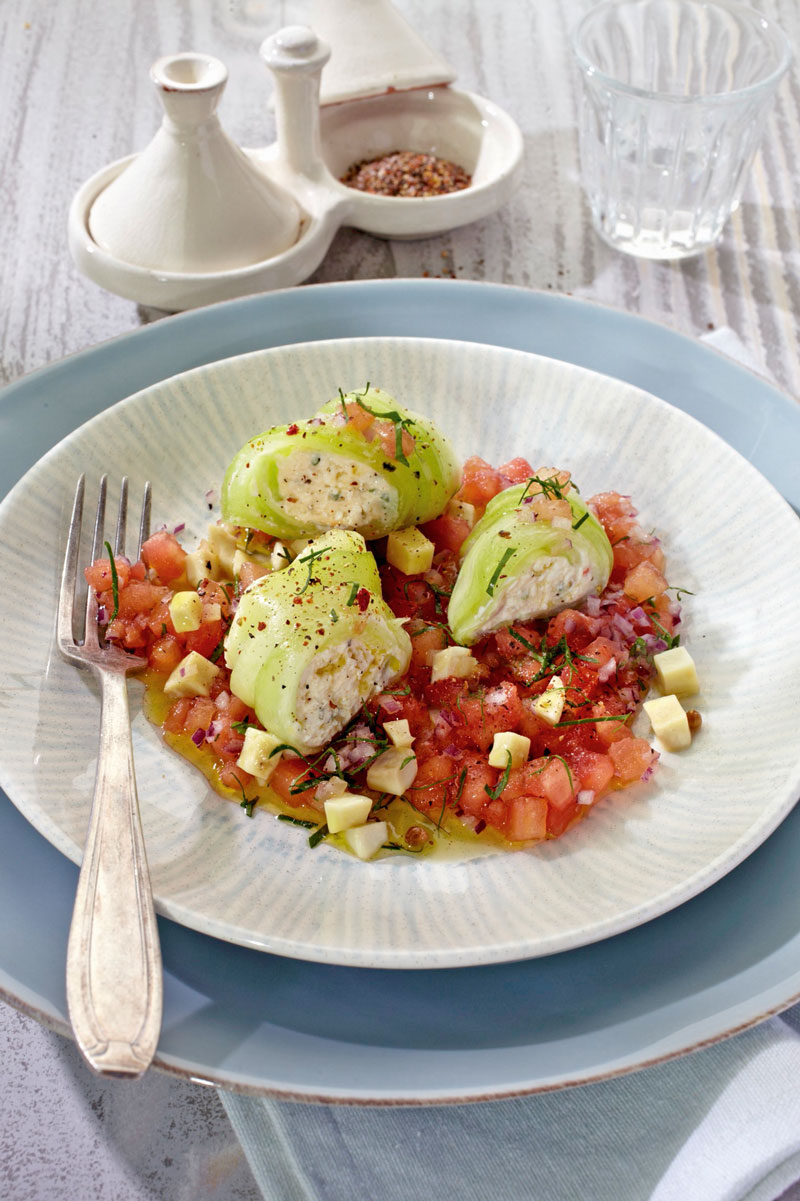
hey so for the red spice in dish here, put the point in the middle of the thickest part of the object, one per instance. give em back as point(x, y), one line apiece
point(406, 173)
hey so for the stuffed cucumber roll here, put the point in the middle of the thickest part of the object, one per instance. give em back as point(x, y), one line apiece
point(536, 550)
point(312, 642)
point(361, 463)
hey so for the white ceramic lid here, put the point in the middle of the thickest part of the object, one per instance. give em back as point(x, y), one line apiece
point(373, 50)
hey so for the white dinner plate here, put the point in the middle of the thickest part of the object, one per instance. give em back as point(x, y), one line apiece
point(730, 539)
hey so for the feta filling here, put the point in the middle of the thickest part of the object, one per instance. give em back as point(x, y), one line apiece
point(335, 685)
point(332, 491)
point(551, 584)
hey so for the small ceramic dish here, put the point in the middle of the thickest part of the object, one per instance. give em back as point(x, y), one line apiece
point(125, 211)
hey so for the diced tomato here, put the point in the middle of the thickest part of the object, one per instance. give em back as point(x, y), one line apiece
point(559, 819)
point(407, 596)
point(447, 532)
point(232, 776)
point(165, 654)
point(491, 712)
point(471, 790)
point(287, 773)
point(577, 627)
point(515, 471)
point(204, 640)
point(430, 788)
point(558, 783)
point(176, 717)
point(527, 819)
point(480, 482)
point(525, 780)
point(99, 575)
point(644, 580)
point(163, 554)
point(426, 640)
point(632, 757)
point(594, 770)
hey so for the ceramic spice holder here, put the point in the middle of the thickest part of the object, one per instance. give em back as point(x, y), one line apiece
point(193, 219)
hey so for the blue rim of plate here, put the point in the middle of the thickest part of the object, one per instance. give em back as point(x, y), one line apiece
point(254, 1022)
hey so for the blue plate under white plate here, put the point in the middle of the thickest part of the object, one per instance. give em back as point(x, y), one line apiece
point(249, 1020)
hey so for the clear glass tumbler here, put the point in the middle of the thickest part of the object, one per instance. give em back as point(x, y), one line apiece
point(674, 100)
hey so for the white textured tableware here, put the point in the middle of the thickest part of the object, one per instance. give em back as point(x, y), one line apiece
point(638, 853)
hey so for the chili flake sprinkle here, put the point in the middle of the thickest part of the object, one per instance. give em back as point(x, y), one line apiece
point(406, 173)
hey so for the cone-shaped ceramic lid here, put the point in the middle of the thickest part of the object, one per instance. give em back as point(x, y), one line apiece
point(373, 50)
point(192, 202)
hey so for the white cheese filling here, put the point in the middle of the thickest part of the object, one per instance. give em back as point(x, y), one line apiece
point(551, 584)
point(333, 491)
point(335, 685)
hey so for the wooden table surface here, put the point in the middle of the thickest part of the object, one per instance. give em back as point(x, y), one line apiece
point(74, 95)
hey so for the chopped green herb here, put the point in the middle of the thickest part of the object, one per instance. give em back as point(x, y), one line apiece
point(296, 821)
point(354, 591)
point(334, 616)
point(577, 525)
point(308, 559)
point(318, 835)
point(114, 580)
point(242, 726)
point(490, 587)
point(494, 793)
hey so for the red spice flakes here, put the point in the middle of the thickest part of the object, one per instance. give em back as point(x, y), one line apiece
point(406, 173)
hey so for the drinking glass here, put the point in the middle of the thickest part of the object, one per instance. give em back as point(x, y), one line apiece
point(674, 101)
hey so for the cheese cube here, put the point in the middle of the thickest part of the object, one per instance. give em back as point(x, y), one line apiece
point(394, 771)
point(364, 841)
point(192, 677)
point(676, 672)
point(280, 556)
point(507, 743)
point(398, 732)
point(409, 551)
point(186, 611)
point(223, 544)
point(462, 510)
point(669, 721)
point(348, 810)
point(256, 755)
point(550, 705)
point(201, 564)
point(453, 661)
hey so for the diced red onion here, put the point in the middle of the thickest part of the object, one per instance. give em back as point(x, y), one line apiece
point(179, 527)
point(102, 614)
point(585, 796)
point(623, 625)
point(648, 771)
point(199, 737)
point(592, 606)
point(654, 644)
point(214, 730)
point(569, 625)
point(639, 616)
point(607, 671)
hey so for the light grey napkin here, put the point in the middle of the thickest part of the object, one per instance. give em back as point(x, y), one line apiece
point(722, 1124)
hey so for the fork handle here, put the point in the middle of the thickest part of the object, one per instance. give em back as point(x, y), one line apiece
point(114, 978)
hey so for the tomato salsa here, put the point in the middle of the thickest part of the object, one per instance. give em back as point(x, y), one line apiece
point(601, 650)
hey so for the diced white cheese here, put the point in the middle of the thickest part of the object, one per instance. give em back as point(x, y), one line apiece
point(186, 611)
point(398, 732)
point(462, 510)
point(550, 705)
point(280, 556)
point(676, 672)
point(201, 564)
point(508, 743)
point(364, 841)
point(455, 661)
point(348, 810)
point(394, 771)
point(669, 721)
point(192, 676)
point(223, 544)
point(409, 551)
point(256, 755)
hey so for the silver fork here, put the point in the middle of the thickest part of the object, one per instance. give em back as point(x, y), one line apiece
point(114, 979)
